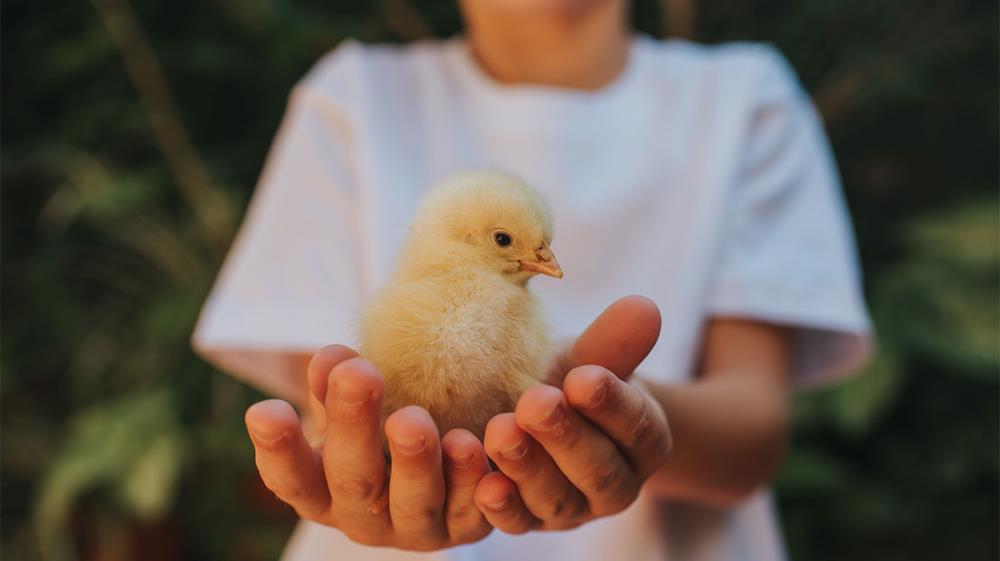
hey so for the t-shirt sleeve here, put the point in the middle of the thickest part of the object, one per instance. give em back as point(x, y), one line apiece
point(291, 281)
point(788, 255)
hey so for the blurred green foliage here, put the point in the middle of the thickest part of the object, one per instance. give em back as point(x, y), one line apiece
point(123, 178)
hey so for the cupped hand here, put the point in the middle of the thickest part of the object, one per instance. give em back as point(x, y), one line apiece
point(570, 455)
point(425, 502)
point(566, 456)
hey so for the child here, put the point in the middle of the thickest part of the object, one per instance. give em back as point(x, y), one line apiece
point(698, 177)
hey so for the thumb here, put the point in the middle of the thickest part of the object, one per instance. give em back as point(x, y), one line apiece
point(619, 339)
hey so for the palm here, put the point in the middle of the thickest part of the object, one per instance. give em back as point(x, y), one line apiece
point(619, 339)
point(441, 493)
point(580, 446)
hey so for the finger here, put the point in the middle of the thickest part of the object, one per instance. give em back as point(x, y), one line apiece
point(352, 451)
point(416, 485)
point(288, 465)
point(325, 359)
point(619, 339)
point(587, 457)
point(465, 465)
point(543, 488)
point(497, 498)
point(317, 371)
point(622, 412)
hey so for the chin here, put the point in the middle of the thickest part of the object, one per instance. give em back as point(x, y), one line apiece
point(564, 8)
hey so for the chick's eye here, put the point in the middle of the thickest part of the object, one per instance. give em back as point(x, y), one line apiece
point(502, 239)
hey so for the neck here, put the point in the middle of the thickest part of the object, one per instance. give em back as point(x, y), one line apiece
point(584, 49)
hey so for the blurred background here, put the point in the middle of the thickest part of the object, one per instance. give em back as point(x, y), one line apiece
point(133, 132)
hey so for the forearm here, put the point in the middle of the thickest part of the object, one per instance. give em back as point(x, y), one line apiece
point(730, 434)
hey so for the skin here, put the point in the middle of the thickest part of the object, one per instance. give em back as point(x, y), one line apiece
point(609, 436)
point(572, 44)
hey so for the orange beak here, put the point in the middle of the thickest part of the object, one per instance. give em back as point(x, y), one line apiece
point(545, 264)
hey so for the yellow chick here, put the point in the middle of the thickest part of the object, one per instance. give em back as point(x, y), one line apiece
point(456, 330)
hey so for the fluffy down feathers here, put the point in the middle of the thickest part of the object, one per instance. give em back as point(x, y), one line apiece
point(456, 330)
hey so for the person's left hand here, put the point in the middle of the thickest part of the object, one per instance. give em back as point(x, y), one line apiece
point(572, 455)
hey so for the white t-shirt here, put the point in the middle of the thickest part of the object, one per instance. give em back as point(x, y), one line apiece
point(700, 178)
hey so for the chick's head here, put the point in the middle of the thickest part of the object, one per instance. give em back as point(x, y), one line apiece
point(484, 220)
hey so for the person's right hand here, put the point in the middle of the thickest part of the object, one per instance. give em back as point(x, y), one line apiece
point(424, 503)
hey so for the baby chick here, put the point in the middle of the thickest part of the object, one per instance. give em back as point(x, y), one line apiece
point(456, 330)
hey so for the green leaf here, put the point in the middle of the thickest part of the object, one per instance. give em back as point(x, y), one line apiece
point(862, 401)
point(131, 445)
point(148, 485)
point(811, 471)
point(944, 301)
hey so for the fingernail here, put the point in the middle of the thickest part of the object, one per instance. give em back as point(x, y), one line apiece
point(517, 451)
point(352, 395)
point(499, 505)
point(599, 394)
point(551, 421)
point(409, 446)
point(266, 437)
point(463, 461)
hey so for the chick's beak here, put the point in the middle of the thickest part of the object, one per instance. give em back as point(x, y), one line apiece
point(544, 263)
